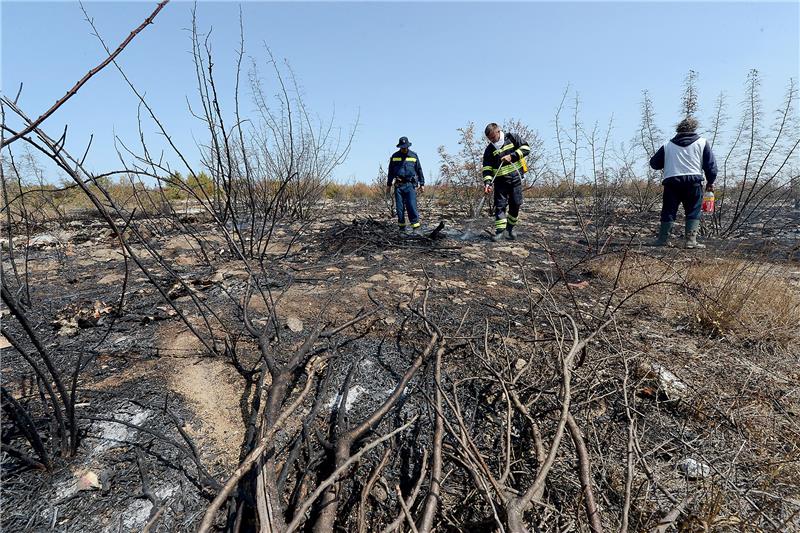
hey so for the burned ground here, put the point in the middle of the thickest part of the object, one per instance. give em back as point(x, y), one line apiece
point(679, 403)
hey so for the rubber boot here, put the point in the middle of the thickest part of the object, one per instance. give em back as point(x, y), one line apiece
point(692, 228)
point(510, 229)
point(498, 234)
point(663, 234)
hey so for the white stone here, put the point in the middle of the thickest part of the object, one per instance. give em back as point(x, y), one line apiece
point(294, 324)
point(45, 239)
point(693, 469)
point(89, 481)
point(669, 383)
point(109, 279)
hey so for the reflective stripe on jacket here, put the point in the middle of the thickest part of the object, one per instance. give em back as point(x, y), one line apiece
point(405, 167)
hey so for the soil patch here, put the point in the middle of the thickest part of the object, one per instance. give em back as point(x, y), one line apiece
point(212, 388)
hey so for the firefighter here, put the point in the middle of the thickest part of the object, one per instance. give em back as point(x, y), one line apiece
point(684, 159)
point(504, 167)
point(405, 171)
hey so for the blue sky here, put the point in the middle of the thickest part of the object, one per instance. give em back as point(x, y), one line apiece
point(406, 68)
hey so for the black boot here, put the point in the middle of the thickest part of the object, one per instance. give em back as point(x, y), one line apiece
point(498, 234)
point(511, 236)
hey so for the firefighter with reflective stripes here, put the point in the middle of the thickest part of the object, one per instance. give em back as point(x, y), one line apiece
point(405, 171)
point(504, 167)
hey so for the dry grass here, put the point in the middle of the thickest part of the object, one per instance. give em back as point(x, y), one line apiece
point(749, 299)
point(662, 279)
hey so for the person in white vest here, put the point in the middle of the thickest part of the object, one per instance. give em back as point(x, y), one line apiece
point(684, 159)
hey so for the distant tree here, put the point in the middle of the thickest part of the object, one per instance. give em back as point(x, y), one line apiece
point(689, 101)
point(461, 172)
point(200, 183)
point(173, 186)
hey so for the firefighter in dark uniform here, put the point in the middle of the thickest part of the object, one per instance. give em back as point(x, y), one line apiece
point(405, 171)
point(504, 167)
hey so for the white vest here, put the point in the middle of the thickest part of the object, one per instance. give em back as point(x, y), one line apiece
point(684, 160)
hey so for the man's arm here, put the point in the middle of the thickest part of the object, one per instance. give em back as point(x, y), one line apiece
point(488, 169)
point(420, 175)
point(657, 161)
point(709, 166)
point(391, 174)
point(522, 148)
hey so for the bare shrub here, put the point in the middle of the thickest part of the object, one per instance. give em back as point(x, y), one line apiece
point(640, 183)
point(758, 168)
point(384, 199)
point(461, 181)
point(248, 180)
point(596, 211)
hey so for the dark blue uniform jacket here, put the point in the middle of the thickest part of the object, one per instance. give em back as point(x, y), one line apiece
point(405, 168)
